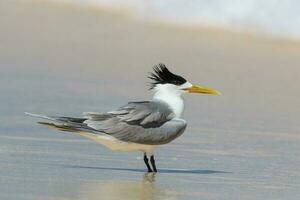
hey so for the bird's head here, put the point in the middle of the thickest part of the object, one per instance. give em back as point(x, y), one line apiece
point(166, 81)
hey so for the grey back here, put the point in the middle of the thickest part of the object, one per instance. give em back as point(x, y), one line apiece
point(147, 122)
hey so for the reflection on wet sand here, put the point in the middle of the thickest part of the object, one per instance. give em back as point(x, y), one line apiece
point(125, 190)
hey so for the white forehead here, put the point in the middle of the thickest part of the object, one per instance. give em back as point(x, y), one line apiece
point(185, 85)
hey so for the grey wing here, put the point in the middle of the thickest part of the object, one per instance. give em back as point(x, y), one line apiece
point(146, 122)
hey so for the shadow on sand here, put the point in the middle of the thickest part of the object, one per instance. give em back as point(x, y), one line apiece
point(166, 171)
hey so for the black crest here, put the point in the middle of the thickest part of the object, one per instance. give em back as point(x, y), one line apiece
point(162, 75)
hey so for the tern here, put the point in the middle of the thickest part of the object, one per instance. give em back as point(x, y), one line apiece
point(137, 126)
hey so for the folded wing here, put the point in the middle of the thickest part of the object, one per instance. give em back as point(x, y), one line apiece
point(147, 122)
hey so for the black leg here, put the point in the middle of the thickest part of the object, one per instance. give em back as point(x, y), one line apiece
point(147, 163)
point(153, 163)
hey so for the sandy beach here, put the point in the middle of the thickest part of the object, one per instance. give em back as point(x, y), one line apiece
point(63, 59)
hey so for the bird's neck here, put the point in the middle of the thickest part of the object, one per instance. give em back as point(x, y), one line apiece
point(174, 101)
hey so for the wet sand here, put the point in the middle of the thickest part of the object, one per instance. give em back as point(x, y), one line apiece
point(59, 59)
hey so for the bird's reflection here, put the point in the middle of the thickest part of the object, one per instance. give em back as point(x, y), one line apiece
point(149, 177)
point(144, 189)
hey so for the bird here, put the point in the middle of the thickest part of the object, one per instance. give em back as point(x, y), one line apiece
point(138, 125)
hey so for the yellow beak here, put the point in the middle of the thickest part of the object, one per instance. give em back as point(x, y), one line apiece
point(201, 89)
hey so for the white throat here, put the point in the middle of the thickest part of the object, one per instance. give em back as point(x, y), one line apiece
point(172, 96)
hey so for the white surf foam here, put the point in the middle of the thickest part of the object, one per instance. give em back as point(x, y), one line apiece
point(270, 17)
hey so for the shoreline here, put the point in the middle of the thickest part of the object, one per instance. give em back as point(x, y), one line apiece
point(214, 31)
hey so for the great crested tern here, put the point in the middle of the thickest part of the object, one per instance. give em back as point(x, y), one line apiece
point(137, 126)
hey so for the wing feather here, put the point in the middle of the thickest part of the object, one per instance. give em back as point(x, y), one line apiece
point(148, 122)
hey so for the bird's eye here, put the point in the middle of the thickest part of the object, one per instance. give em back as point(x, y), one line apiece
point(177, 82)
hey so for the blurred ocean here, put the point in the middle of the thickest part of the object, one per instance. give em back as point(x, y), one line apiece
point(271, 18)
